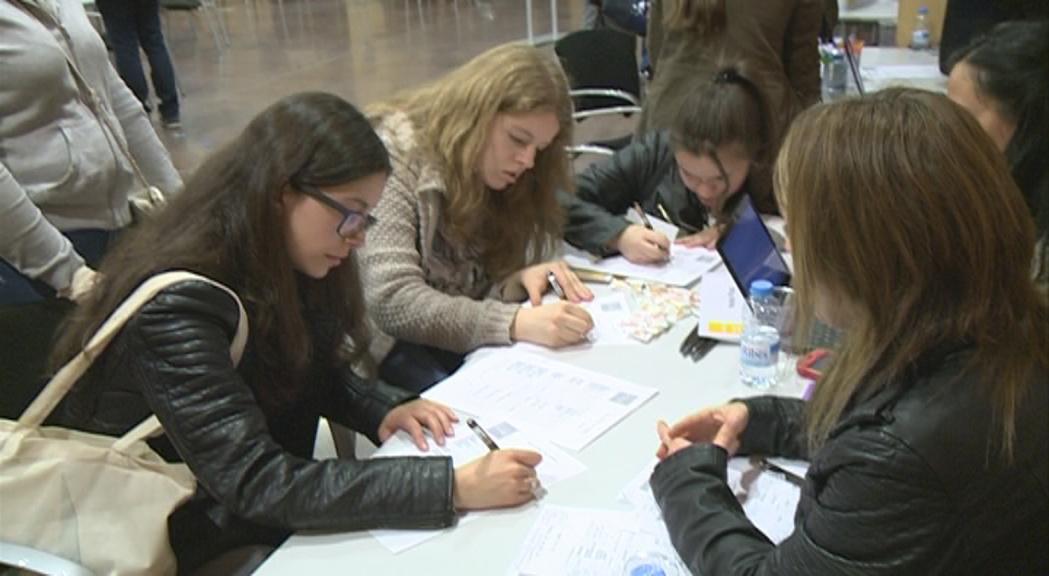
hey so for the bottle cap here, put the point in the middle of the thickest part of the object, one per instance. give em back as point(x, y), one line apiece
point(649, 563)
point(761, 288)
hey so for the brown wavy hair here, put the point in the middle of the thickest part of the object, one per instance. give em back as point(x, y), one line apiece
point(452, 116)
point(903, 213)
point(706, 17)
point(227, 225)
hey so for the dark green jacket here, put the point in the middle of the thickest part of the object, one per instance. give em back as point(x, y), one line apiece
point(644, 172)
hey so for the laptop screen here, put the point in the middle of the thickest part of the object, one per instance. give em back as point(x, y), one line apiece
point(749, 252)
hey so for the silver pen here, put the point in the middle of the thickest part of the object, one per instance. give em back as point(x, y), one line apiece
point(556, 285)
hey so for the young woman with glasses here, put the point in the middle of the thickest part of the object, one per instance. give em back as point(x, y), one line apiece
point(276, 216)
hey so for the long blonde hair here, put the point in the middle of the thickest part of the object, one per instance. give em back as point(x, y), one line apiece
point(903, 213)
point(453, 116)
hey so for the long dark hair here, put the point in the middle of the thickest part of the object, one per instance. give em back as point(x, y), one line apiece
point(727, 107)
point(1011, 64)
point(227, 225)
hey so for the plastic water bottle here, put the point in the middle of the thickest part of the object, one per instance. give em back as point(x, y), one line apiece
point(649, 563)
point(759, 344)
point(921, 39)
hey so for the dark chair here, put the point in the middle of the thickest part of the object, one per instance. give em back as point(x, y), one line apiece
point(602, 71)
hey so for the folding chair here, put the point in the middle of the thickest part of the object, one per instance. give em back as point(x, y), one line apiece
point(602, 71)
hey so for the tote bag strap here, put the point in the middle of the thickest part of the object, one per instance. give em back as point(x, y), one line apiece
point(68, 375)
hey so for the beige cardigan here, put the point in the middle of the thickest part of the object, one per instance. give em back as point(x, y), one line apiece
point(421, 287)
point(59, 169)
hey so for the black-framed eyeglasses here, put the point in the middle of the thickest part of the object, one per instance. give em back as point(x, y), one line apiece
point(353, 221)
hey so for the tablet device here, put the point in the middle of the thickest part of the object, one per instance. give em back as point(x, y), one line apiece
point(749, 253)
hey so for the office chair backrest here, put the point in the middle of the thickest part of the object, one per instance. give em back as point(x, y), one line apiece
point(600, 58)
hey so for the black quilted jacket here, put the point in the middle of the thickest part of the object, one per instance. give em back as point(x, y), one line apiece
point(906, 484)
point(257, 481)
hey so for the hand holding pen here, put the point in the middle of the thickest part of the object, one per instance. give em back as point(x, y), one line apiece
point(642, 244)
point(536, 281)
point(501, 478)
point(556, 324)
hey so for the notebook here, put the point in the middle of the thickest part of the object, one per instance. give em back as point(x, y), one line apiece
point(749, 253)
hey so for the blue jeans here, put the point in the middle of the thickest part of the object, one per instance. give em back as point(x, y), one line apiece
point(129, 24)
point(30, 317)
point(415, 367)
point(16, 289)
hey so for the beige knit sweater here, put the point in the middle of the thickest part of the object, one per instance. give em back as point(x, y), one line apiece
point(420, 286)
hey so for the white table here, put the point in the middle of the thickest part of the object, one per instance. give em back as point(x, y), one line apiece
point(877, 11)
point(489, 545)
point(884, 67)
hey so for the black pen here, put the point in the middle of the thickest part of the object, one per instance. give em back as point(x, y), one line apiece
point(648, 225)
point(556, 285)
point(787, 474)
point(482, 434)
point(643, 216)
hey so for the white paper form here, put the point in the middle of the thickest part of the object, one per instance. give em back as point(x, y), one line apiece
point(464, 446)
point(686, 265)
point(566, 404)
point(901, 72)
point(582, 542)
point(608, 312)
point(658, 224)
point(768, 500)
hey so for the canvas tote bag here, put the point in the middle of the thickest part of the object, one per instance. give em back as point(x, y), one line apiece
point(99, 501)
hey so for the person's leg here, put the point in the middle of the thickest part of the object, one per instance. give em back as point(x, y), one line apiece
point(415, 367)
point(150, 35)
point(591, 14)
point(118, 16)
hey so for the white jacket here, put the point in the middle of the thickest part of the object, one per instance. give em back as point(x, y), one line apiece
point(58, 168)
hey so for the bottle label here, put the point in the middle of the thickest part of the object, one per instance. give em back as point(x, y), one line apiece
point(920, 39)
point(759, 354)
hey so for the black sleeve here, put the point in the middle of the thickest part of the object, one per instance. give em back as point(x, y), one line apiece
point(880, 511)
point(606, 190)
point(178, 347)
point(775, 427)
point(361, 404)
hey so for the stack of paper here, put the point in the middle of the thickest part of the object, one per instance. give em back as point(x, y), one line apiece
point(584, 542)
point(568, 405)
point(463, 447)
point(686, 265)
point(768, 499)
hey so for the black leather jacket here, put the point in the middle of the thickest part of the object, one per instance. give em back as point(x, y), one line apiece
point(644, 172)
point(906, 484)
point(257, 481)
